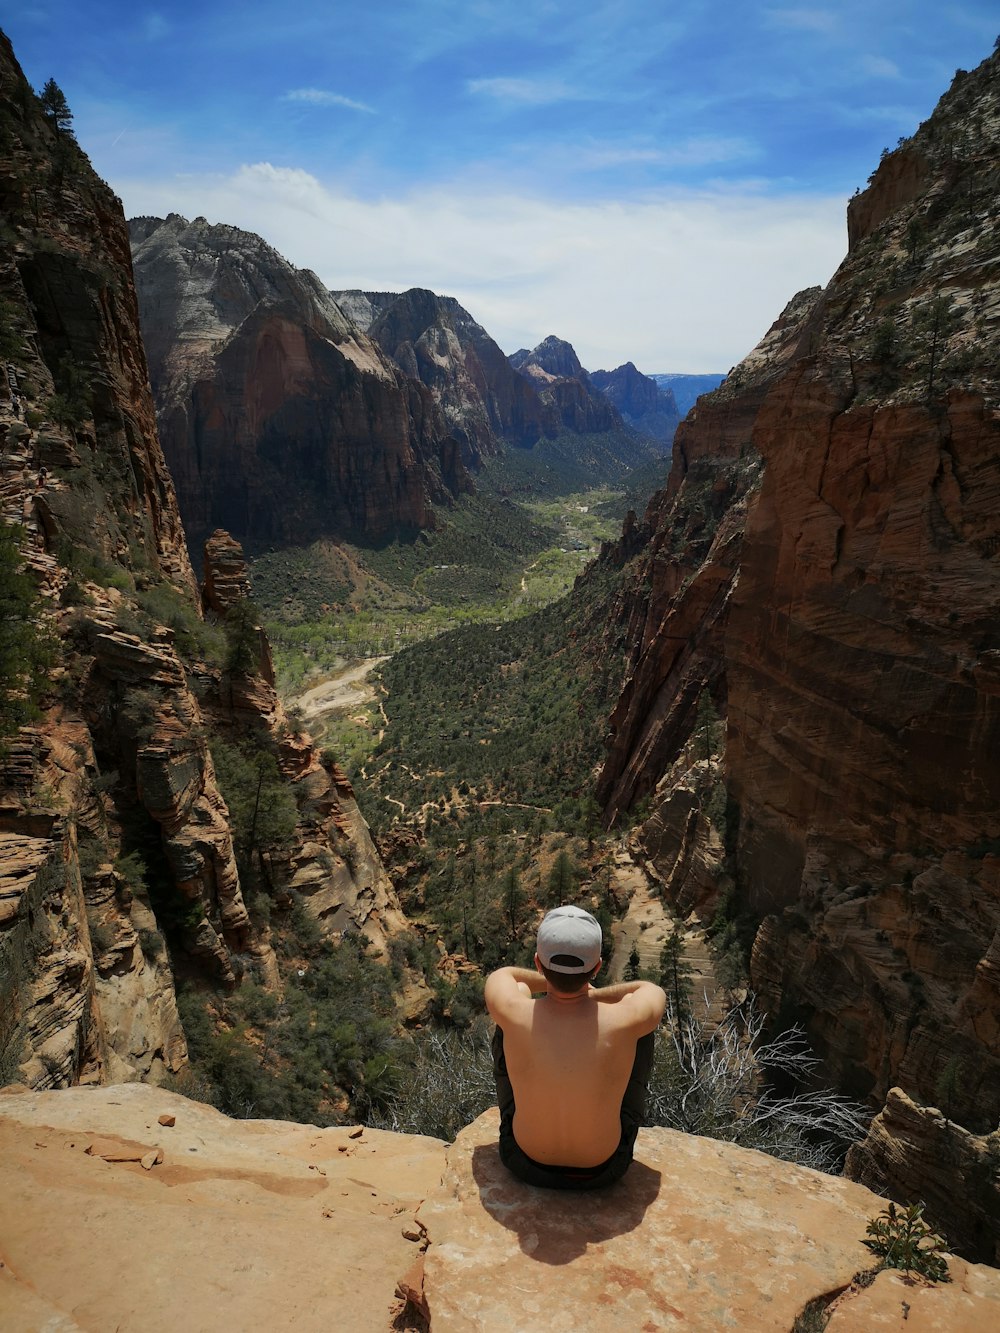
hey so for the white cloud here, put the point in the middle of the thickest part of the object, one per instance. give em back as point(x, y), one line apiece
point(528, 92)
point(681, 281)
point(154, 27)
point(703, 151)
point(320, 97)
point(880, 68)
point(804, 20)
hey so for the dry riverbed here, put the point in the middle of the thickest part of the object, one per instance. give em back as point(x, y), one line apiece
point(344, 691)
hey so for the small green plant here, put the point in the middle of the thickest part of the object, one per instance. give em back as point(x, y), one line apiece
point(903, 1240)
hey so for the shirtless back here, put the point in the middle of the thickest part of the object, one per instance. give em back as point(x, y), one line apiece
point(569, 1058)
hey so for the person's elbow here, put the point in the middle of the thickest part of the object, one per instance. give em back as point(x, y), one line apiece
point(653, 1003)
point(498, 989)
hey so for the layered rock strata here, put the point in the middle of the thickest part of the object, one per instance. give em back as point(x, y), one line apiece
point(851, 637)
point(485, 402)
point(367, 1230)
point(281, 421)
point(117, 848)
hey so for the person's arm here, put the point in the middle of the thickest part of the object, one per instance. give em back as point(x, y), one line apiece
point(642, 1001)
point(508, 986)
point(609, 994)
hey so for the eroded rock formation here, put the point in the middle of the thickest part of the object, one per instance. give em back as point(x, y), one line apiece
point(117, 844)
point(485, 402)
point(330, 862)
point(367, 1230)
point(844, 618)
point(573, 402)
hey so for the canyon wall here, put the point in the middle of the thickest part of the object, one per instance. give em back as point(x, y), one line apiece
point(844, 620)
point(122, 862)
point(281, 420)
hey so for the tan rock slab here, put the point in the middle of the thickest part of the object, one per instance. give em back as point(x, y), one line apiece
point(969, 1303)
point(262, 1224)
point(229, 1233)
point(700, 1236)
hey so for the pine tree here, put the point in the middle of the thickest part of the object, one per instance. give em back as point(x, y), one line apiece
point(633, 965)
point(55, 108)
point(675, 978)
point(242, 628)
point(562, 879)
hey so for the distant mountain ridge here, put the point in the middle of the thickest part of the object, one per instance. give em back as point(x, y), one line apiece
point(687, 389)
point(289, 412)
point(641, 401)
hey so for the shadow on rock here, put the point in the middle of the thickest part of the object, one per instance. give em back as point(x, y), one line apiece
point(556, 1227)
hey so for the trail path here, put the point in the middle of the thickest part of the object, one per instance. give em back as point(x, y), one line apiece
point(647, 924)
point(346, 689)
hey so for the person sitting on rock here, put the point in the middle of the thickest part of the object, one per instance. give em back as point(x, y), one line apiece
point(572, 1065)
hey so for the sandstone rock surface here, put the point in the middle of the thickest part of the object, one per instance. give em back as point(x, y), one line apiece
point(823, 563)
point(244, 1224)
point(262, 1223)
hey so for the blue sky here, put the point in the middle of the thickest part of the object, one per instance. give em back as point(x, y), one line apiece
point(650, 180)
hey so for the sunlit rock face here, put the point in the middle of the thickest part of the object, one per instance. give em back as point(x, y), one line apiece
point(281, 420)
point(842, 610)
point(699, 1235)
point(485, 402)
point(117, 860)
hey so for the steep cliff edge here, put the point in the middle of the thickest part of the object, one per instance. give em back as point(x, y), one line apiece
point(280, 419)
point(486, 403)
point(291, 1226)
point(851, 639)
point(121, 857)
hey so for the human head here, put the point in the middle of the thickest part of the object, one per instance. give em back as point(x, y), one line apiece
point(568, 948)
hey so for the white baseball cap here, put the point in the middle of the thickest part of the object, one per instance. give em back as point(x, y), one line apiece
point(571, 935)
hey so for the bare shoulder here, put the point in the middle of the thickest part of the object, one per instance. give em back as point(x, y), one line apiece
point(640, 1008)
point(505, 993)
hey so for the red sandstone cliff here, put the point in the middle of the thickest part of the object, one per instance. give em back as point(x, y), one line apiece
point(847, 625)
point(281, 421)
point(117, 857)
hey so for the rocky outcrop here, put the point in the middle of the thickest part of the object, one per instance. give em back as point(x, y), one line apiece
point(329, 862)
point(75, 396)
point(640, 400)
point(700, 1234)
point(117, 844)
point(850, 639)
point(486, 404)
point(914, 1152)
point(226, 580)
point(553, 358)
point(261, 381)
point(680, 567)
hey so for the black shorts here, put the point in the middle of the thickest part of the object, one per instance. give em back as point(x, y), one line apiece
point(573, 1177)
